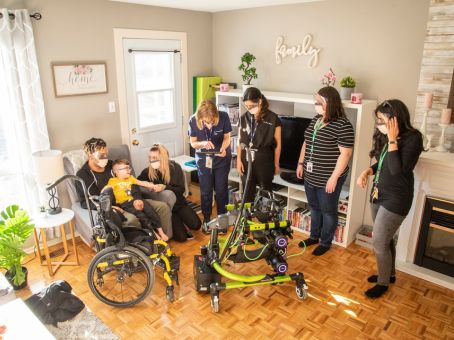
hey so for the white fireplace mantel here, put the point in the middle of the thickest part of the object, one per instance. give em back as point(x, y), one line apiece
point(434, 176)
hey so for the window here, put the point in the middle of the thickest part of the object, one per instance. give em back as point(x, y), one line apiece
point(155, 88)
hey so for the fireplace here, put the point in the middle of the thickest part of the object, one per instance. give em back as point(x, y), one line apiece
point(435, 248)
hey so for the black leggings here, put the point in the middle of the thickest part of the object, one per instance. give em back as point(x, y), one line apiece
point(182, 216)
point(262, 174)
point(148, 217)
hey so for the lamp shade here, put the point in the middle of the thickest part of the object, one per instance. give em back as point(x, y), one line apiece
point(48, 166)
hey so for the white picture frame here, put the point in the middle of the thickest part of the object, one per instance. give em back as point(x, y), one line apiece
point(79, 78)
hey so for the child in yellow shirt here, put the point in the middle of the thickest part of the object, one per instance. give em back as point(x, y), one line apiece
point(127, 196)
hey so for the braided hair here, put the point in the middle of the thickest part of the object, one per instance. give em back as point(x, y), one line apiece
point(94, 144)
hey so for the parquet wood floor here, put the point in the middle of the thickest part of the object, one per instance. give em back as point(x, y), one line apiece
point(336, 308)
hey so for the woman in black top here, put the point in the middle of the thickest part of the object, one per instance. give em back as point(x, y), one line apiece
point(260, 129)
point(168, 175)
point(326, 151)
point(397, 147)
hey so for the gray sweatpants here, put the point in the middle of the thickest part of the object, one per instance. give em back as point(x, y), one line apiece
point(386, 224)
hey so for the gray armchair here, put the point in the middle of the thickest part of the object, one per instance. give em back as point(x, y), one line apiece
point(72, 162)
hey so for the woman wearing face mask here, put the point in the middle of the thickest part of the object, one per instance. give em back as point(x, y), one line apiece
point(260, 129)
point(397, 146)
point(209, 130)
point(167, 175)
point(326, 151)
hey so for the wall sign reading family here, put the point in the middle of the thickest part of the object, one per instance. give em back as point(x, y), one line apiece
point(305, 48)
point(72, 79)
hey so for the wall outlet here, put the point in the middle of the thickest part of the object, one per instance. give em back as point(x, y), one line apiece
point(112, 107)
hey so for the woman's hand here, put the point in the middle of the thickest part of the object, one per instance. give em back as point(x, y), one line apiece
point(159, 187)
point(223, 153)
point(277, 169)
point(393, 129)
point(331, 184)
point(138, 204)
point(239, 167)
point(363, 178)
point(151, 186)
point(206, 144)
point(299, 171)
point(121, 211)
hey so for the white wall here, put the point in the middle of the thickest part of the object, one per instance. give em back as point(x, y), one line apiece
point(82, 30)
point(379, 43)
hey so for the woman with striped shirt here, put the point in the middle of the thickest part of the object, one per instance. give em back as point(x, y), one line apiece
point(326, 151)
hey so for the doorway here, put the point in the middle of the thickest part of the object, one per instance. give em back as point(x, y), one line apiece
point(152, 92)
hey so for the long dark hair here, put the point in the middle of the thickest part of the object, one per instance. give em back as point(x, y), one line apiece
point(391, 108)
point(253, 94)
point(334, 108)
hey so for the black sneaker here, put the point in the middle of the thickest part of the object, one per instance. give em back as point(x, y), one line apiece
point(374, 279)
point(307, 243)
point(189, 235)
point(320, 250)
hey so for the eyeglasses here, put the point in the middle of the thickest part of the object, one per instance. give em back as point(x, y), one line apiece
point(387, 103)
point(250, 107)
point(127, 168)
point(318, 104)
point(153, 160)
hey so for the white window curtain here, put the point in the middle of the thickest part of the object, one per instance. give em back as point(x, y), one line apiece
point(23, 128)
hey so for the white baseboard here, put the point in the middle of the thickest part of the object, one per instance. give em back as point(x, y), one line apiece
point(50, 243)
point(426, 274)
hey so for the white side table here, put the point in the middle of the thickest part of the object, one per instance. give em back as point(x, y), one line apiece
point(187, 169)
point(50, 221)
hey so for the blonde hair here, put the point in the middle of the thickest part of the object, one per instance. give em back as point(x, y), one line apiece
point(164, 167)
point(206, 109)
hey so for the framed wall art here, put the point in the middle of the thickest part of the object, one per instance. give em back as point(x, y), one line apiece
point(79, 78)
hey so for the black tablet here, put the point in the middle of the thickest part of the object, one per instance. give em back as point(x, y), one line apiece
point(208, 152)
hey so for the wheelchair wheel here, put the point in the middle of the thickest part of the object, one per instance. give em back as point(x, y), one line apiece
point(120, 277)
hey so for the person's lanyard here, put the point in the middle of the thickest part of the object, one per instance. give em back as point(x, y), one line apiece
point(319, 124)
point(380, 163)
point(205, 128)
point(253, 131)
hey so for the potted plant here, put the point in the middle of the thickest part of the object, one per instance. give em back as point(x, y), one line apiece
point(347, 87)
point(15, 228)
point(248, 72)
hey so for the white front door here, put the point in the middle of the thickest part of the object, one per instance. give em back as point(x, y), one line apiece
point(154, 97)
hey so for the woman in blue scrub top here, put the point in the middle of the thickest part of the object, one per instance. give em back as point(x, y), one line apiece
point(210, 130)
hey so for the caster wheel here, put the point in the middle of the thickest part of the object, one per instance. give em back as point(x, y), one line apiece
point(170, 295)
point(301, 292)
point(215, 303)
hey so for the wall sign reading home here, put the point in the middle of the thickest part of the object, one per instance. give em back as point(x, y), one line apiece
point(303, 49)
point(72, 79)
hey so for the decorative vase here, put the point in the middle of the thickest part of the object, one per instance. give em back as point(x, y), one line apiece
point(9, 277)
point(246, 86)
point(346, 92)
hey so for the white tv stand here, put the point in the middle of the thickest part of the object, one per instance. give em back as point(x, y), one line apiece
point(302, 105)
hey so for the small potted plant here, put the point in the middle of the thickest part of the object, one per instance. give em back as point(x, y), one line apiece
point(248, 72)
point(347, 87)
point(15, 228)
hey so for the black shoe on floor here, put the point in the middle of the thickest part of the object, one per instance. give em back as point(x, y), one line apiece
point(308, 242)
point(374, 279)
point(205, 228)
point(320, 250)
point(376, 291)
point(189, 235)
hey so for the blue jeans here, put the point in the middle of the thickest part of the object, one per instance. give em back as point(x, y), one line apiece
point(324, 208)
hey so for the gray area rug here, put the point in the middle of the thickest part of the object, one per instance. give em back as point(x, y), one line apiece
point(84, 326)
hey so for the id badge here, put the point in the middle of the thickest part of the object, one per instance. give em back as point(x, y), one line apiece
point(209, 162)
point(309, 166)
point(252, 156)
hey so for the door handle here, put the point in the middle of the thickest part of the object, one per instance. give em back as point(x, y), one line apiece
point(135, 142)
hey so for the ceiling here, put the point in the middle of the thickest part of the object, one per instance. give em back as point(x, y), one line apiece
point(214, 5)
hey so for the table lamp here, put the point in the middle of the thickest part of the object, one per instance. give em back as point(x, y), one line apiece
point(49, 168)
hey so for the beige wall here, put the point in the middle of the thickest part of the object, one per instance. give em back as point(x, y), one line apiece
point(379, 43)
point(83, 30)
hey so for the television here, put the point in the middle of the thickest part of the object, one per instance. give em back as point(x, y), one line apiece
point(293, 129)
